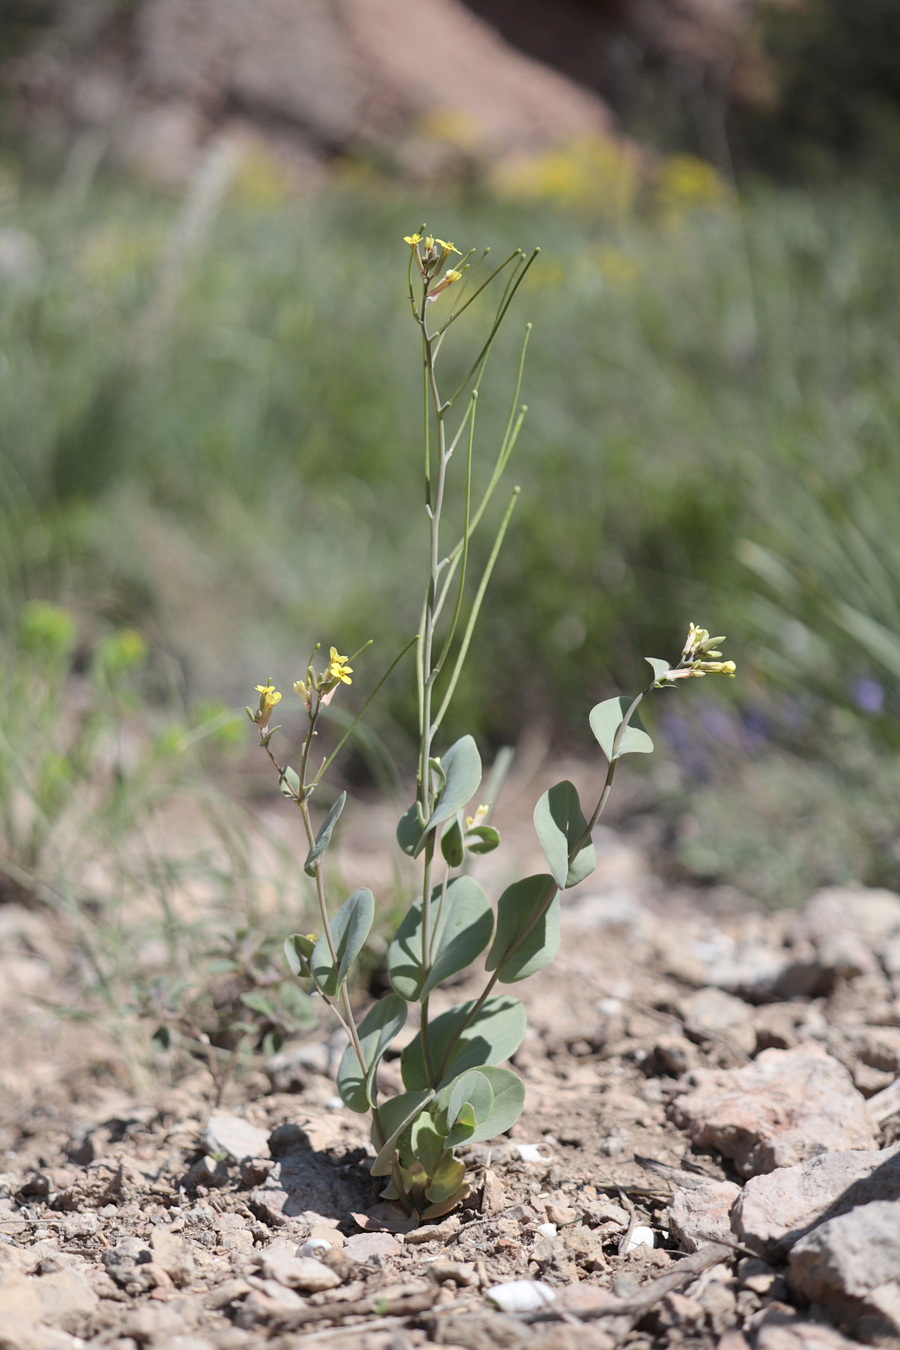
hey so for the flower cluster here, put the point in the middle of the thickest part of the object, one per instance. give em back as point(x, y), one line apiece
point(430, 255)
point(324, 686)
point(699, 657)
point(317, 690)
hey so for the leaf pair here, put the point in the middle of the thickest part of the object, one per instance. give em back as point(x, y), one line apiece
point(608, 724)
point(561, 829)
point(462, 1039)
point(350, 927)
point(474, 1106)
point(460, 772)
point(461, 926)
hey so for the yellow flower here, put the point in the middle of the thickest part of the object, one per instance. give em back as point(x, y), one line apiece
point(412, 239)
point(429, 243)
point(446, 280)
point(338, 668)
point(447, 248)
point(268, 697)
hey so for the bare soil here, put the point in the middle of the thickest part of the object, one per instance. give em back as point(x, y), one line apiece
point(180, 1246)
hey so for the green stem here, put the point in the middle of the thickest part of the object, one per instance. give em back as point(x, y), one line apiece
point(473, 614)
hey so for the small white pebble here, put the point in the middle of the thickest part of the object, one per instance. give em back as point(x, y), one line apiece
point(530, 1153)
point(546, 1229)
point(334, 1104)
point(519, 1296)
point(609, 1006)
point(641, 1237)
point(314, 1247)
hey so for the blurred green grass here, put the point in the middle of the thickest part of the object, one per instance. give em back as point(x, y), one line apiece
point(238, 478)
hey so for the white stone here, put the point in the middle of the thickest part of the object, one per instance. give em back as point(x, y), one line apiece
point(314, 1247)
point(519, 1296)
point(529, 1153)
point(641, 1237)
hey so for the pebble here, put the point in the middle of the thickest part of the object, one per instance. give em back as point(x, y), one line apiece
point(520, 1296)
point(303, 1273)
point(530, 1153)
point(365, 1246)
point(314, 1247)
point(236, 1138)
point(701, 1214)
point(641, 1237)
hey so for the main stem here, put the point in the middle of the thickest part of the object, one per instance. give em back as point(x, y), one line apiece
point(435, 489)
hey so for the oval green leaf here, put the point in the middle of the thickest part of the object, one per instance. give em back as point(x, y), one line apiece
point(298, 949)
point(349, 929)
point(395, 1115)
point(493, 1035)
point(452, 844)
point(482, 839)
point(323, 838)
point(508, 1099)
point(461, 929)
point(659, 667)
point(409, 830)
point(376, 1031)
point(528, 931)
point(606, 719)
point(461, 767)
point(560, 824)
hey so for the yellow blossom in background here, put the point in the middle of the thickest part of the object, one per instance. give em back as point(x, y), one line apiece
point(687, 184)
point(598, 175)
point(338, 668)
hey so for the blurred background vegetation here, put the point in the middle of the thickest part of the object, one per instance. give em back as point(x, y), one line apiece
point(210, 403)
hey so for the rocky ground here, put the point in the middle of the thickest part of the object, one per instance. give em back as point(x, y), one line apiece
point(707, 1159)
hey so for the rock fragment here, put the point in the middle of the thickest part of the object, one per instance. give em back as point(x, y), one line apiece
point(365, 1246)
point(303, 1273)
point(786, 1106)
point(235, 1138)
point(66, 1299)
point(781, 1329)
point(172, 1254)
point(303, 1181)
point(702, 1214)
point(778, 1208)
point(850, 1266)
point(721, 1015)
